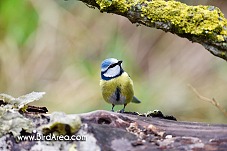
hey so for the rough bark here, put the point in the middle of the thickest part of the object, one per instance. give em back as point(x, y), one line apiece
point(119, 131)
point(202, 24)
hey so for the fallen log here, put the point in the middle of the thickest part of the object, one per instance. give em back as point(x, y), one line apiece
point(104, 130)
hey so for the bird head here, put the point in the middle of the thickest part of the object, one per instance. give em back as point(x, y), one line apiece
point(111, 68)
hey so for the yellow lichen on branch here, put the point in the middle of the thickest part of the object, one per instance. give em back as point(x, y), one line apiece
point(196, 20)
point(202, 24)
point(120, 5)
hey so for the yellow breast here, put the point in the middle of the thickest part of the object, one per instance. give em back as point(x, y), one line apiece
point(124, 83)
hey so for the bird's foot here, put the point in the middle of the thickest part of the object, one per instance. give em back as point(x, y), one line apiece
point(112, 108)
point(122, 110)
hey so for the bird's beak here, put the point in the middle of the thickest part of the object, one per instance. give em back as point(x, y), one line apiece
point(119, 62)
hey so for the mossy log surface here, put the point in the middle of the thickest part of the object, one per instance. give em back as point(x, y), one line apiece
point(106, 130)
point(202, 24)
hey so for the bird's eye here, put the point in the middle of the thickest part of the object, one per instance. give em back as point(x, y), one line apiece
point(112, 65)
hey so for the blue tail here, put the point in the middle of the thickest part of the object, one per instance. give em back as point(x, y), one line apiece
point(135, 100)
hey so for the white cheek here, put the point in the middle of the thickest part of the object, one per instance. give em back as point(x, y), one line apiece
point(104, 69)
point(112, 72)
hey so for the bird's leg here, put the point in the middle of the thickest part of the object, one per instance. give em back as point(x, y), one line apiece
point(123, 110)
point(112, 108)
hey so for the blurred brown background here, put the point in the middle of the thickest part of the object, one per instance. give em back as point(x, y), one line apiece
point(57, 47)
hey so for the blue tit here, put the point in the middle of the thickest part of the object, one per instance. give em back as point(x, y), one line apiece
point(116, 85)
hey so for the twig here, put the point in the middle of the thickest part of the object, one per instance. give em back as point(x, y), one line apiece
point(212, 101)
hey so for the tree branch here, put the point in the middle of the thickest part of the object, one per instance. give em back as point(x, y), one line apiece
point(202, 24)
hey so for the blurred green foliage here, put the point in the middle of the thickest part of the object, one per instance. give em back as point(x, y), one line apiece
point(18, 19)
point(57, 47)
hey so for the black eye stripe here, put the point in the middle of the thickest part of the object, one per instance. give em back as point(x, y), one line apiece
point(113, 65)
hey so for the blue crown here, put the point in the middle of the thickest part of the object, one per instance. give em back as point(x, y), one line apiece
point(107, 62)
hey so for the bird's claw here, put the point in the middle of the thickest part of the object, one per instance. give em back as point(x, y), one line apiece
point(122, 110)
